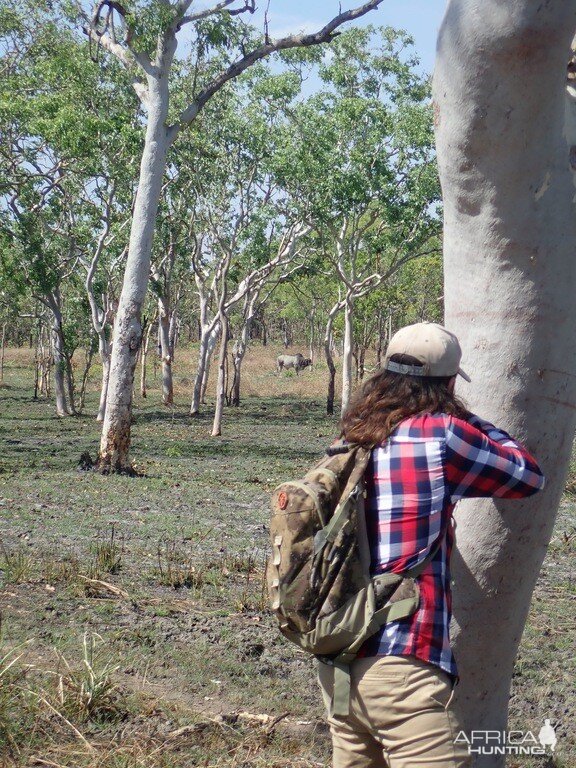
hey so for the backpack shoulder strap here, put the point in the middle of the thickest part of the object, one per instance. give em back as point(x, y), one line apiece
point(390, 612)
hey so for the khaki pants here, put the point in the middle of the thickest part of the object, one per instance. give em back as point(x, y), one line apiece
point(399, 716)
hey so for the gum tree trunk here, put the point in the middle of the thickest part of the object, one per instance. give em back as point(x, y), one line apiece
point(505, 139)
point(211, 346)
point(165, 351)
point(173, 330)
point(347, 353)
point(328, 340)
point(144, 347)
point(115, 442)
point(104, 349)
point(208, 338)
point(221, 382)
point(240, 348)
point(63, 408)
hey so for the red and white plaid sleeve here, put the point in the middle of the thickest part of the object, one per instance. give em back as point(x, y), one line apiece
point(482, 460)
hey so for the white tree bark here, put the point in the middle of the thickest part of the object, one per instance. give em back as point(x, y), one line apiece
point(99, 322)
point(144, 348)
point(208, 338)
point(504, 149)
point(211, 346)
point(173, 328)
point(347, 352)
point(224, 325)
point(222, 376)
point(104, 349)
point(165, 350)
point(115, 442)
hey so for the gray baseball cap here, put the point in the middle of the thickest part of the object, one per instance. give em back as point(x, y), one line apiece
point(435, 347)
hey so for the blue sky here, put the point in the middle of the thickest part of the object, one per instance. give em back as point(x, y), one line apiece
point(420, 18)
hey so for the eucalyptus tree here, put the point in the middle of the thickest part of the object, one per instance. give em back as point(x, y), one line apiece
point(359, 160)
point(61, 196)
point(506, 148)
point(33, 210)
point(234, 221)
point(143, 36)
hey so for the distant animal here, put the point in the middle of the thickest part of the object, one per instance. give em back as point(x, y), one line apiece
point(297, 361)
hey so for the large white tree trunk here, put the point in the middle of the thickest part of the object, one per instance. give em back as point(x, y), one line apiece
point(115, 442)
point(504, 150)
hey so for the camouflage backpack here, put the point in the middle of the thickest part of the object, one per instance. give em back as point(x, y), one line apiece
point(318, 575)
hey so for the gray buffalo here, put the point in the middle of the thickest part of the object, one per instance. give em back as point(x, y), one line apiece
point(297, 361)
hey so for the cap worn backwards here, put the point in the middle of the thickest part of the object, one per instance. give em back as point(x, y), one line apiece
point(432, 345)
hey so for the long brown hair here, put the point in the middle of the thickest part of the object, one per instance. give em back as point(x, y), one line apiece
point(388, 398)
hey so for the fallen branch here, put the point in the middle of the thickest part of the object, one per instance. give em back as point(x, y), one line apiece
point(97, 584)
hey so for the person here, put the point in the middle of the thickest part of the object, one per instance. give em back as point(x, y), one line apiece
point(428, 452)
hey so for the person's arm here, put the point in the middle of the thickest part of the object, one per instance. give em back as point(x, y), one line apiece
point(484, 461)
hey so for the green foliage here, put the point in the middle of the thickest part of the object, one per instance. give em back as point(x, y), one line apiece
point(355, 157)
point(65, 132)
point(367, 138)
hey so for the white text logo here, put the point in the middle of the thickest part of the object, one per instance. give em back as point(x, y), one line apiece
point(509, 742)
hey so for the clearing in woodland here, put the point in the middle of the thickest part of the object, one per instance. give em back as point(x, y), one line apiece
point(135, 630)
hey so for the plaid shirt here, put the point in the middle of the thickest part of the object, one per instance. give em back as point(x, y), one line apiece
point(413, 483)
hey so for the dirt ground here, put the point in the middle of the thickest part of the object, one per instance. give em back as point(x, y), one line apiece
point(134, 608)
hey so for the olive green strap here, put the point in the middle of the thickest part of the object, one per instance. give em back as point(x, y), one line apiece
point(340, 704)
point(337, 521)
point(401, 609)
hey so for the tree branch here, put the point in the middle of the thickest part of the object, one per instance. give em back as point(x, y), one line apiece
point(325, 35)
point(248, 6)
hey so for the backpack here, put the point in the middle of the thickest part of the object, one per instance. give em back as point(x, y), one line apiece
point(318, 575)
